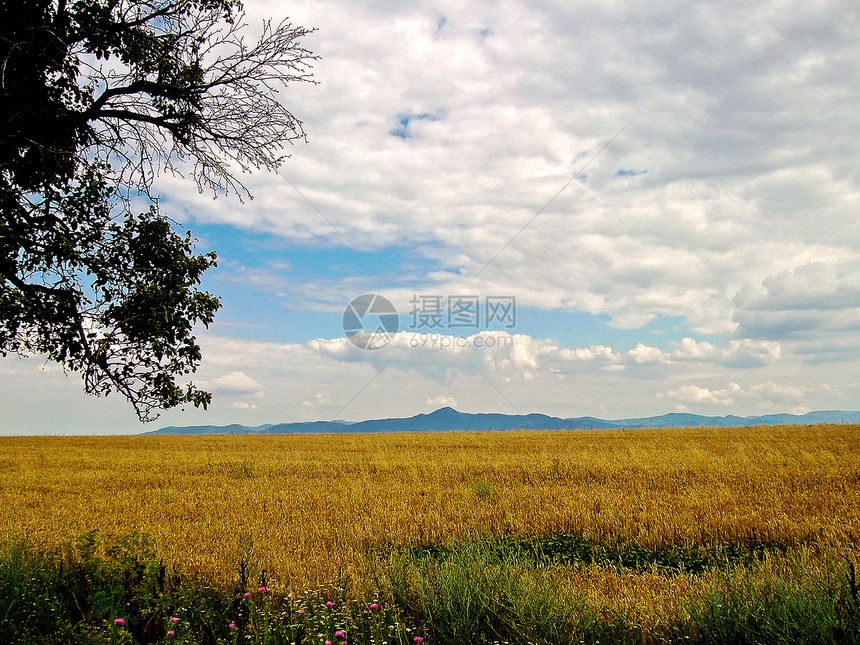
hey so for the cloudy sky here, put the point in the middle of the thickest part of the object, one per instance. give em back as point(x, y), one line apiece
point(577, 208)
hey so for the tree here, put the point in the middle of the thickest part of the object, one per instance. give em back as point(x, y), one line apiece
point(98, 98)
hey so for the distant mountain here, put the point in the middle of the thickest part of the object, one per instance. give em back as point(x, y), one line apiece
point(449, 420)
point(306, 427)
point(675, 420)
point(233, 428)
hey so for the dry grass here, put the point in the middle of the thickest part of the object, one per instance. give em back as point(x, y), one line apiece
point(308, 507)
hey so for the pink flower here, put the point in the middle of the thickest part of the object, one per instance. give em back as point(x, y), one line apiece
point(174, 620)
point(328, 604)
point(261, 590)
point(247, 594)
point(339, 634)
point(171, 634)
point(119, 621)
point(301, 612)
point(232, 625)
point(328, 643)
point(374, 607)
point(417, 639)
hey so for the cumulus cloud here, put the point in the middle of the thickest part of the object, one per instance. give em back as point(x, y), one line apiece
point(236, 382)
point(441, 401)
point(319, 400)
point(743, 353)
point(644, 354)
point(695, 394)
point(736, 353)
point(520, 356)
point(761, 396)
point(774, 392)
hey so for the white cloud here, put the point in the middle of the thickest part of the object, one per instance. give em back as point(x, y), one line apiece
point(319, 401)
point(736, 353)
point(587, 354)
point(644, 354)
point(779, 393)
point(694, 394)
point(236, 382)
point(441, 401)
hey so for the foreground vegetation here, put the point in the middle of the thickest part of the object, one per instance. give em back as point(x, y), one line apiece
point(473, 594)
point(682, 535)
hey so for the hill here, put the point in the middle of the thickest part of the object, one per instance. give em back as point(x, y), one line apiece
point(449, 420)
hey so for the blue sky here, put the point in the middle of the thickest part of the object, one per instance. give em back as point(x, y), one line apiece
point(669, 191)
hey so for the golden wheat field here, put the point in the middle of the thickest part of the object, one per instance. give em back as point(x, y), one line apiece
point(308, 507)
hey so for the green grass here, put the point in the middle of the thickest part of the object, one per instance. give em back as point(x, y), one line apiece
point(792, 605)
point(495, 592)
point(479, 595)
point(565, 548)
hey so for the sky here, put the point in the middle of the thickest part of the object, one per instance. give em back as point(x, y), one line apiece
point(613, 209)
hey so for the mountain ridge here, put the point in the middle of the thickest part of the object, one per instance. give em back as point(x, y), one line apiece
point(448, 419)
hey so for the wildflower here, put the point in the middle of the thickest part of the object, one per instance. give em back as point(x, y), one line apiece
point(247, 594)
point(328, 604)
point(170, 634)
point(339, 633)
point(232, 625)
point(174, 619)
point(261, 590)
point(119, 621)
point(417, 639)
point(301, 612)
point(328, 643)
point(374, 607)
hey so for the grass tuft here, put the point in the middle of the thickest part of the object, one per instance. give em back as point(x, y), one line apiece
point(479, 595)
